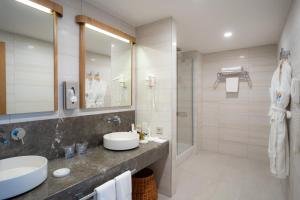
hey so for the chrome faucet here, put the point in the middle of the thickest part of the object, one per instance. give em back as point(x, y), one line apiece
point(115, 119)
point(2, 139)
point(18, 134)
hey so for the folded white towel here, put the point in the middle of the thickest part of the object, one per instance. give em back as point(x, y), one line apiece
point(232, 69)
point(107, 191)
point(123, 186)
point(232, 84)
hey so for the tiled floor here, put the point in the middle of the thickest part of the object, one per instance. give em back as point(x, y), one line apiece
point(211, 176)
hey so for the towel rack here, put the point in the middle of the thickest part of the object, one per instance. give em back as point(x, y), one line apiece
point(243, 75)
point(94, 193)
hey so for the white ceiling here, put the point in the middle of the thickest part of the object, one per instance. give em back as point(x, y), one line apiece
point(201, 23)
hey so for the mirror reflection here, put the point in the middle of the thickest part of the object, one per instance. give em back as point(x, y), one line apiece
point(108, 71)
point(26, 37)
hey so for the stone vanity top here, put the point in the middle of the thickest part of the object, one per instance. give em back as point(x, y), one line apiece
point(91, 170)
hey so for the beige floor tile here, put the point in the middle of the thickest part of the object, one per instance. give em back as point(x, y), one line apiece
point(213, 176)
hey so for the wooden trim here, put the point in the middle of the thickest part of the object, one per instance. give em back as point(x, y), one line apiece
point(82, 19)
point(82, 49)
point(51, 5)
point(2, 79)
point(132, 72)
point(55, 51)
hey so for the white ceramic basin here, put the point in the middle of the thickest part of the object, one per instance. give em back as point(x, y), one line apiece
point(21, 174)
point(121, 141)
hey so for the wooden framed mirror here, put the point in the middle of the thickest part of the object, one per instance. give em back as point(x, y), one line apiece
point(28, 56)
point(105, 65)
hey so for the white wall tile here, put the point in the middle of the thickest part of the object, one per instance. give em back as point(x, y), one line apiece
point(237, 124)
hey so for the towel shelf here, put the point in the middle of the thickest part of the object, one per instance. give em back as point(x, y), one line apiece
point(243, 76)
point(94, 193)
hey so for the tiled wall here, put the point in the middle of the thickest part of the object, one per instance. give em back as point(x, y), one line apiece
point(156, 55)
point(237, 124)
point(290, 40)
point(68, 57)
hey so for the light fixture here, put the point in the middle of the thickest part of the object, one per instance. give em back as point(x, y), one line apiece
point(227, 34)
point(106, 33)
point(30, 46)
point(242, 57)
point(112, 45)
point(35, 5)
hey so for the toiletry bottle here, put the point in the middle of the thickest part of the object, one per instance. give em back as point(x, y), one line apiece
point(140, 132)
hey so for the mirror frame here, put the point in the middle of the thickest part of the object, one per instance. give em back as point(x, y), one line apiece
point(82, 20)
point(57, 11)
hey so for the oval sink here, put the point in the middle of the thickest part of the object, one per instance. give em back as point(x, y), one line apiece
point(121, 141)
point(21, 174)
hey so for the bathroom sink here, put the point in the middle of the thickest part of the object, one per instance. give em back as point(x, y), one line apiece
point(21, 174)
point(121, 141)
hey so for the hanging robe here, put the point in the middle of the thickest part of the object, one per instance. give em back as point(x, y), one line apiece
point(278, 140)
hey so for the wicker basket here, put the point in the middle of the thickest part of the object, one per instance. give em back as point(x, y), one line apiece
point(144, 185)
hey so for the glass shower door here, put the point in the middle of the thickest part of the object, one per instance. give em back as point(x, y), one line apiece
point(184, 102)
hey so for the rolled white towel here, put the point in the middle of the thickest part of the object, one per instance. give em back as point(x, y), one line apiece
point(232, 69)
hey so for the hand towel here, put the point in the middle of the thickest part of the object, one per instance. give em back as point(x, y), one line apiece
point(107, 191)
point(123, 186)
point(232, 84)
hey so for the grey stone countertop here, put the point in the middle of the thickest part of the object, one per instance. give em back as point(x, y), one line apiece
point(93, 169)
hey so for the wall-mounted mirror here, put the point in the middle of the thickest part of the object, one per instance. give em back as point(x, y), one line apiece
point(28, 56)
point(105, 65)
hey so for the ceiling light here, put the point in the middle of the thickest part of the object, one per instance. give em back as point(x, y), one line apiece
point(106, 33)
point(227, 34)
point(30, 47)
point(242, 57)
point(35, 5)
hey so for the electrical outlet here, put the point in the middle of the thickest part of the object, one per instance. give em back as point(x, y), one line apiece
point(159, 130)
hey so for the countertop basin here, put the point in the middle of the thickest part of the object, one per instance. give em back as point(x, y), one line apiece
point(121, 141)
point(21, 174)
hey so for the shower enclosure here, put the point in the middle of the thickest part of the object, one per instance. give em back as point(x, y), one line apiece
point(184, 101)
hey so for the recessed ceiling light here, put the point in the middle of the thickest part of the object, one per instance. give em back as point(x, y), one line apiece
point(30, 47)
point(227, 34)
point(242, 57)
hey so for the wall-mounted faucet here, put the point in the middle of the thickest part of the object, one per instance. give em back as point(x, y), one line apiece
point(2, 139)
point(18, 134)
point(115, 119)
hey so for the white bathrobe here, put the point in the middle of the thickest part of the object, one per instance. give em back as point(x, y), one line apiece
point(278, 140)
